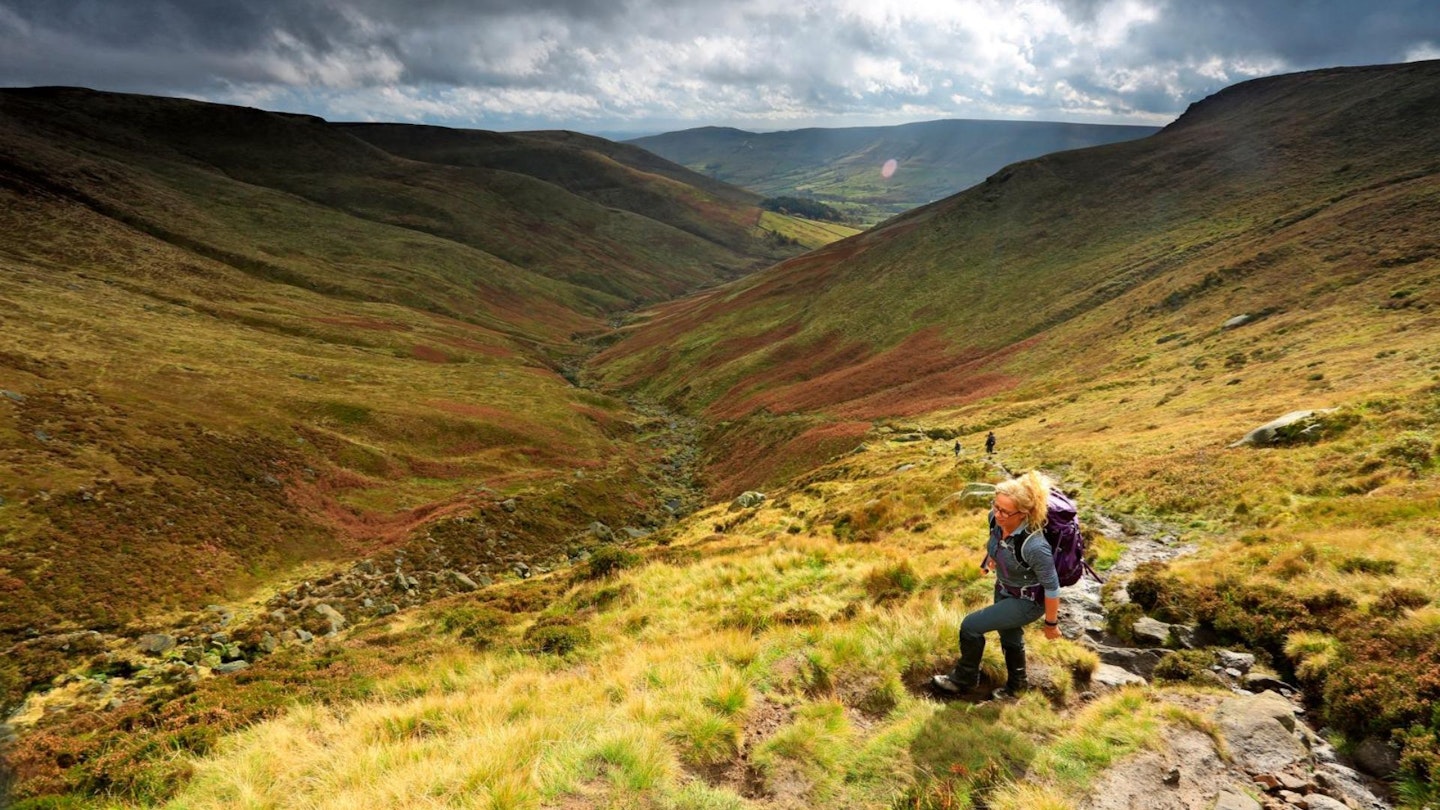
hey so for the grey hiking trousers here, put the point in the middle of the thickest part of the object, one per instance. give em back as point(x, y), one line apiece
point(1008, 616)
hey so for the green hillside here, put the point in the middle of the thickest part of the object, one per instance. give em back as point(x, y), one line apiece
point(237, 342)
point(1269, 199)
point(843, 167)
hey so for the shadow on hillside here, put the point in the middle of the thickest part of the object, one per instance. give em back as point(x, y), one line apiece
point(963, 750)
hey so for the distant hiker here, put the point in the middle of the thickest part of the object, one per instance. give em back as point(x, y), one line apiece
point(957, 449)
point(990, 442)
point(1027, 586)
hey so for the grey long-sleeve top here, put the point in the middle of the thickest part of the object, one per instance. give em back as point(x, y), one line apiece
point(1037, 566)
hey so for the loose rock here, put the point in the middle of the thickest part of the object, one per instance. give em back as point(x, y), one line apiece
point(1151, 632)
point(1235, 660)
point(748, 500)
point(1113, 677)
point(1376, 757)
point(331, 615)
point(461, 581)
point(1319, 801)
point(1260, 730)
point(156, 643)
point(1235, 801)
point(1296, 425)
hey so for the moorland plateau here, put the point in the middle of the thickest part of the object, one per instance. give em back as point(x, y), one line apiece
point(423, 380)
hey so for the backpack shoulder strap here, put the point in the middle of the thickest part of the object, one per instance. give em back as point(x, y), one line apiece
point(1020, 547)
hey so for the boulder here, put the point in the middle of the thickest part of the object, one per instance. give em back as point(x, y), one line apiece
point(1238, 320)
point(1293, 426)
point(1319, 801)
point(232, 666)
point(156, 643)
point(461, 581)
point(1235, 660)
point(602, 532)
point(1376, 757)
point(1151, 632)
point(1260, 732)
point(509, 504)
point(1230, 800)
point(904, 468)
point(748, 500)
point(1258, 682)
point(268, 643)
point(331, 615)
point(634, 533)
point(386, 610)
point(1140, 662)
point(1110, 676)
point(1291, 782)
point(522, 570)
point(976, 494)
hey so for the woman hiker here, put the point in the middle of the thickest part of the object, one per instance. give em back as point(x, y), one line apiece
point(1026, 588)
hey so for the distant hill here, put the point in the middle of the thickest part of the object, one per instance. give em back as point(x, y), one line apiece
point(1307, 201)
point(843, 166)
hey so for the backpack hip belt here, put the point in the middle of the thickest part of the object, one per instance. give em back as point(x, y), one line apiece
point(1035, 593)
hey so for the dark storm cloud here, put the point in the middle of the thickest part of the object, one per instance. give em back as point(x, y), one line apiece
point(1305, 33)
point(765, 63)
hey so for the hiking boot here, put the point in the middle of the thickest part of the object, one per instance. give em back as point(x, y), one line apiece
point(949, 687)
point(1016, 679)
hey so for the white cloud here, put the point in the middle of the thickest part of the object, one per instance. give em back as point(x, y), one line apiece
point(1423, 52)
point(495, 63)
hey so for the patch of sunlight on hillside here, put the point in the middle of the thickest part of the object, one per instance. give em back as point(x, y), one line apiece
point(808, 233)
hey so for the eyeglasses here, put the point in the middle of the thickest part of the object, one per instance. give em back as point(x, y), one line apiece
point(1005, 513)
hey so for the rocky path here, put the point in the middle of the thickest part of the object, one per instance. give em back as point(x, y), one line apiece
point(1272, 758)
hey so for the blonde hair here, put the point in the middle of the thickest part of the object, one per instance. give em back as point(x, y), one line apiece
point(1031, 494)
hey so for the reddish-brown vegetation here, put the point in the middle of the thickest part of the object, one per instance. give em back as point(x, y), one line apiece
point(921, 374)
point(365, 323)
point(754, 455)
point(429, 354)
point(486, 349)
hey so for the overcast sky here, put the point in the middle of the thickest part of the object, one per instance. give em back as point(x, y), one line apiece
point(652, 65)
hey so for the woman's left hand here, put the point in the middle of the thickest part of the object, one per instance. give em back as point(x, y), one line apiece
point(1052, 632)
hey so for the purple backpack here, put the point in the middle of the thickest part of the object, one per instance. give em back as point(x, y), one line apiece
point(1062, 530)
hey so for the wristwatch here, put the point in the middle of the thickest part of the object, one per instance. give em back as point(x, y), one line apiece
point(1049, 623)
